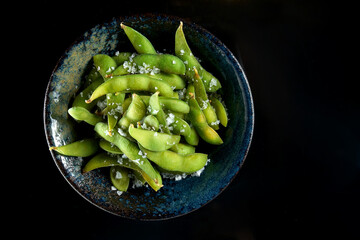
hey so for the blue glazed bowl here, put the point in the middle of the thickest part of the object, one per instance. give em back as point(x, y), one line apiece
point(176, 198)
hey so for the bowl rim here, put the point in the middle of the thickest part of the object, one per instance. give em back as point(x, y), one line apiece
point(248, 100)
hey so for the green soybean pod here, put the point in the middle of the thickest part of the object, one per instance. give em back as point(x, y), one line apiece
point(180, 126)
point(183, 149)
point(109, 147)
point(135, 82)
point(134, 113)
point(174, 80)
point(182, 50)
point(82, 148)
point(119, 177)
point(82, 114)
point(132, 151)
point(157, 111)
point(193, 138)
point(164, 62)
point(139, 41)
point(80, 99)
point(198, 120)
point(204, 103)
point(153, 141)
point(121, 57)
point(172, 161)
point(114, 108)
point(104, 64)
point(152, 122)
point(220, 111)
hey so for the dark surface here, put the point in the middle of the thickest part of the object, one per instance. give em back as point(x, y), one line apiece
point(301, 179)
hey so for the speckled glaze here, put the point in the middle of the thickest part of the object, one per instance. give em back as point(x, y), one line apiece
point(176, 198)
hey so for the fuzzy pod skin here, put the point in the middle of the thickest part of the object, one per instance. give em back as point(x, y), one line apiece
point(153, 141)
point(80, 99)
point(183, 51)
point(108, 147)
point(164, 62)
point(82, 148)
point(135, 82)
point(183, 149)
point(139, 41)
point(172, 161)
point(132, 151)
point(198, 120)
point(174, 80)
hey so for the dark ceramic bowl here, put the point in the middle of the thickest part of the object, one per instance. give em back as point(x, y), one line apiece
point(176, 198)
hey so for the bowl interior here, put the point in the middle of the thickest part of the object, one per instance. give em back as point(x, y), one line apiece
point(176, 197)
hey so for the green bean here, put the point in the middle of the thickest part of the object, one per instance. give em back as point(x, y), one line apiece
point(172, 161)
point(134, 113)
point(131, 150)
point(182, 50)
point(220, 110)
point(153, 141)
point(82, 114)
point(121, 57)
point(79, 100)
point(183, 149)
point(139, 41)
point(152, 122)
point(104, 64)
point(203, 101)
point(136, 82)
point(104, 160)
point(119, 177)
point(164, 62)
point(109, 147)
point(82, 148)
point(198, 120)
point(114, 108)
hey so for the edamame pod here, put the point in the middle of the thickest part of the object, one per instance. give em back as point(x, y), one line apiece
point(151, 122)
point(156, 110)
point(180, 126)
point(153, 141)
point(183, 149)
point(82, 114)
point(82, 148)
point(174, 80)
point(114, 108)
point(135, 82)
point(193, 138)
point(109, 147)
point(121, 57)
point(198, 120)
point(105, 160)
point(79, 100)
point(182, 50)
point(172, 161)
point(104, 64)
point(204, 103)
point(165, 62)
point(119, 177)
point(135, 112)
point(139, 41)
point(132, 151)
point(220, 111)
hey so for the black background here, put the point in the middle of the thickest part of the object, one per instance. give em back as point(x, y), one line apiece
point(301, 179)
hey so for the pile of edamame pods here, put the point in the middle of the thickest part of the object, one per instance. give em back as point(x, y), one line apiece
point(147, 106)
